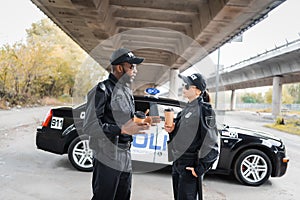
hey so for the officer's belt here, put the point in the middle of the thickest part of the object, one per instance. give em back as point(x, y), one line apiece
point(124, 145)
point(185, 155)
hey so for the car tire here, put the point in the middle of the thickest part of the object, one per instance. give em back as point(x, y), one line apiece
point(80, 155)
point(252, 167)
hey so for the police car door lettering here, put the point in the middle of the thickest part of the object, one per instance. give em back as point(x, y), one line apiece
point(151, 144)
point(140, 145)
point(165, 142)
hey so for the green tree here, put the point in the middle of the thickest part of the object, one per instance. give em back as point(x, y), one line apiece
point(286, 98)
point(294, 91)
point(268, 96)
point(61, 60)
point(4, 70)
point(89, 75)
point(252, 98)
point(45, 65)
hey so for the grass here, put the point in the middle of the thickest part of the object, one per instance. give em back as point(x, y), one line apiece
point(62, 100)
point(2, 104)
point(290, 126)
point(48, 101)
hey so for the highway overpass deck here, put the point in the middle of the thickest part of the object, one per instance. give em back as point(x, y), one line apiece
point(172, 35)
point(282, 61)
point(275, 67)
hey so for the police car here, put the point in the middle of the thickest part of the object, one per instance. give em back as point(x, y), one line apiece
point(251, 156)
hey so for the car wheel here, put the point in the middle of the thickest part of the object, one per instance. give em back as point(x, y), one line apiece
point(80, 155)
point(252, 167)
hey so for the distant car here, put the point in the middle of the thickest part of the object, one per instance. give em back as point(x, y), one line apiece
point(250, 155)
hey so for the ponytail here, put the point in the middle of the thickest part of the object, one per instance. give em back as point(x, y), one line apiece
point(206, 97)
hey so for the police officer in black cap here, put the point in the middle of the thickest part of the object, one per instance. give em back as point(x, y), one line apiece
point(193, 142)
point(112, 103)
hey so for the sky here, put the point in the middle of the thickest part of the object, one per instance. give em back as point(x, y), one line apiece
point(281, 25)
point(15, 17)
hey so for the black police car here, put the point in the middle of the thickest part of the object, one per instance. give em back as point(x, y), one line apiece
point(250, 155)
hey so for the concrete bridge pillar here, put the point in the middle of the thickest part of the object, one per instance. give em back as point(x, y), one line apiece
point(276, 97)
point(232, 100)
point(173, 88)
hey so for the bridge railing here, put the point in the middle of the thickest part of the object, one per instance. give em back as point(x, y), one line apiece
point(284, 107)
point(243, 62)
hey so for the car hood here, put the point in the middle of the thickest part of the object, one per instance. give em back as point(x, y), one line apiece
point(254, 133)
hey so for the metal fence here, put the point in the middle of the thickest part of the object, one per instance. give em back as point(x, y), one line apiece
point(295, 107)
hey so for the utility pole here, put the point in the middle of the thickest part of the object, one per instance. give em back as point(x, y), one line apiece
point(217, 79)
point(238, 38)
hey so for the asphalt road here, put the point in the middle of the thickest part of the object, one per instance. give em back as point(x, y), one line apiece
point(30, 174)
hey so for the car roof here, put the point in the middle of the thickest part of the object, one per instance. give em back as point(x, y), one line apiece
point(140, 98)
point(162, 100)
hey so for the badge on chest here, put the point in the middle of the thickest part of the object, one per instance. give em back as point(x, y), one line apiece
point(188, 115)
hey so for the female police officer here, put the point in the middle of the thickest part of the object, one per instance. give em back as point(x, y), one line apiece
point(193, 140)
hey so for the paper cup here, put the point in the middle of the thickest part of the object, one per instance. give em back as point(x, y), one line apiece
point(139, 117)
point(169, 117)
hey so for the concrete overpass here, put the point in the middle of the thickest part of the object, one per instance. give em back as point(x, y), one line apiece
point(276, 67)
point(172, 35)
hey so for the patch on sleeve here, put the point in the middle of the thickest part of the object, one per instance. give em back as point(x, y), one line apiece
point(210, 121)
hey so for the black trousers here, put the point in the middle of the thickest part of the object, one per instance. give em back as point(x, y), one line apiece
point(109, 183)
point(185, 185)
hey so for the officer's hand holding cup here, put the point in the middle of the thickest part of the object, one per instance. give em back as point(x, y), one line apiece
point(139, 117)
point(136, 125)
point(152, 120)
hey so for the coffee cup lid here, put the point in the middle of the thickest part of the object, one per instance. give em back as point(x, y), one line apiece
point(140, 114)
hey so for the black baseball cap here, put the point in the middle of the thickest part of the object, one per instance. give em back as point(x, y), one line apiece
point(122, 55)
point(195, 79)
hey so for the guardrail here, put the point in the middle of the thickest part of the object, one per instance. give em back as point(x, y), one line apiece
point(277, 48)
point(284, 107)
